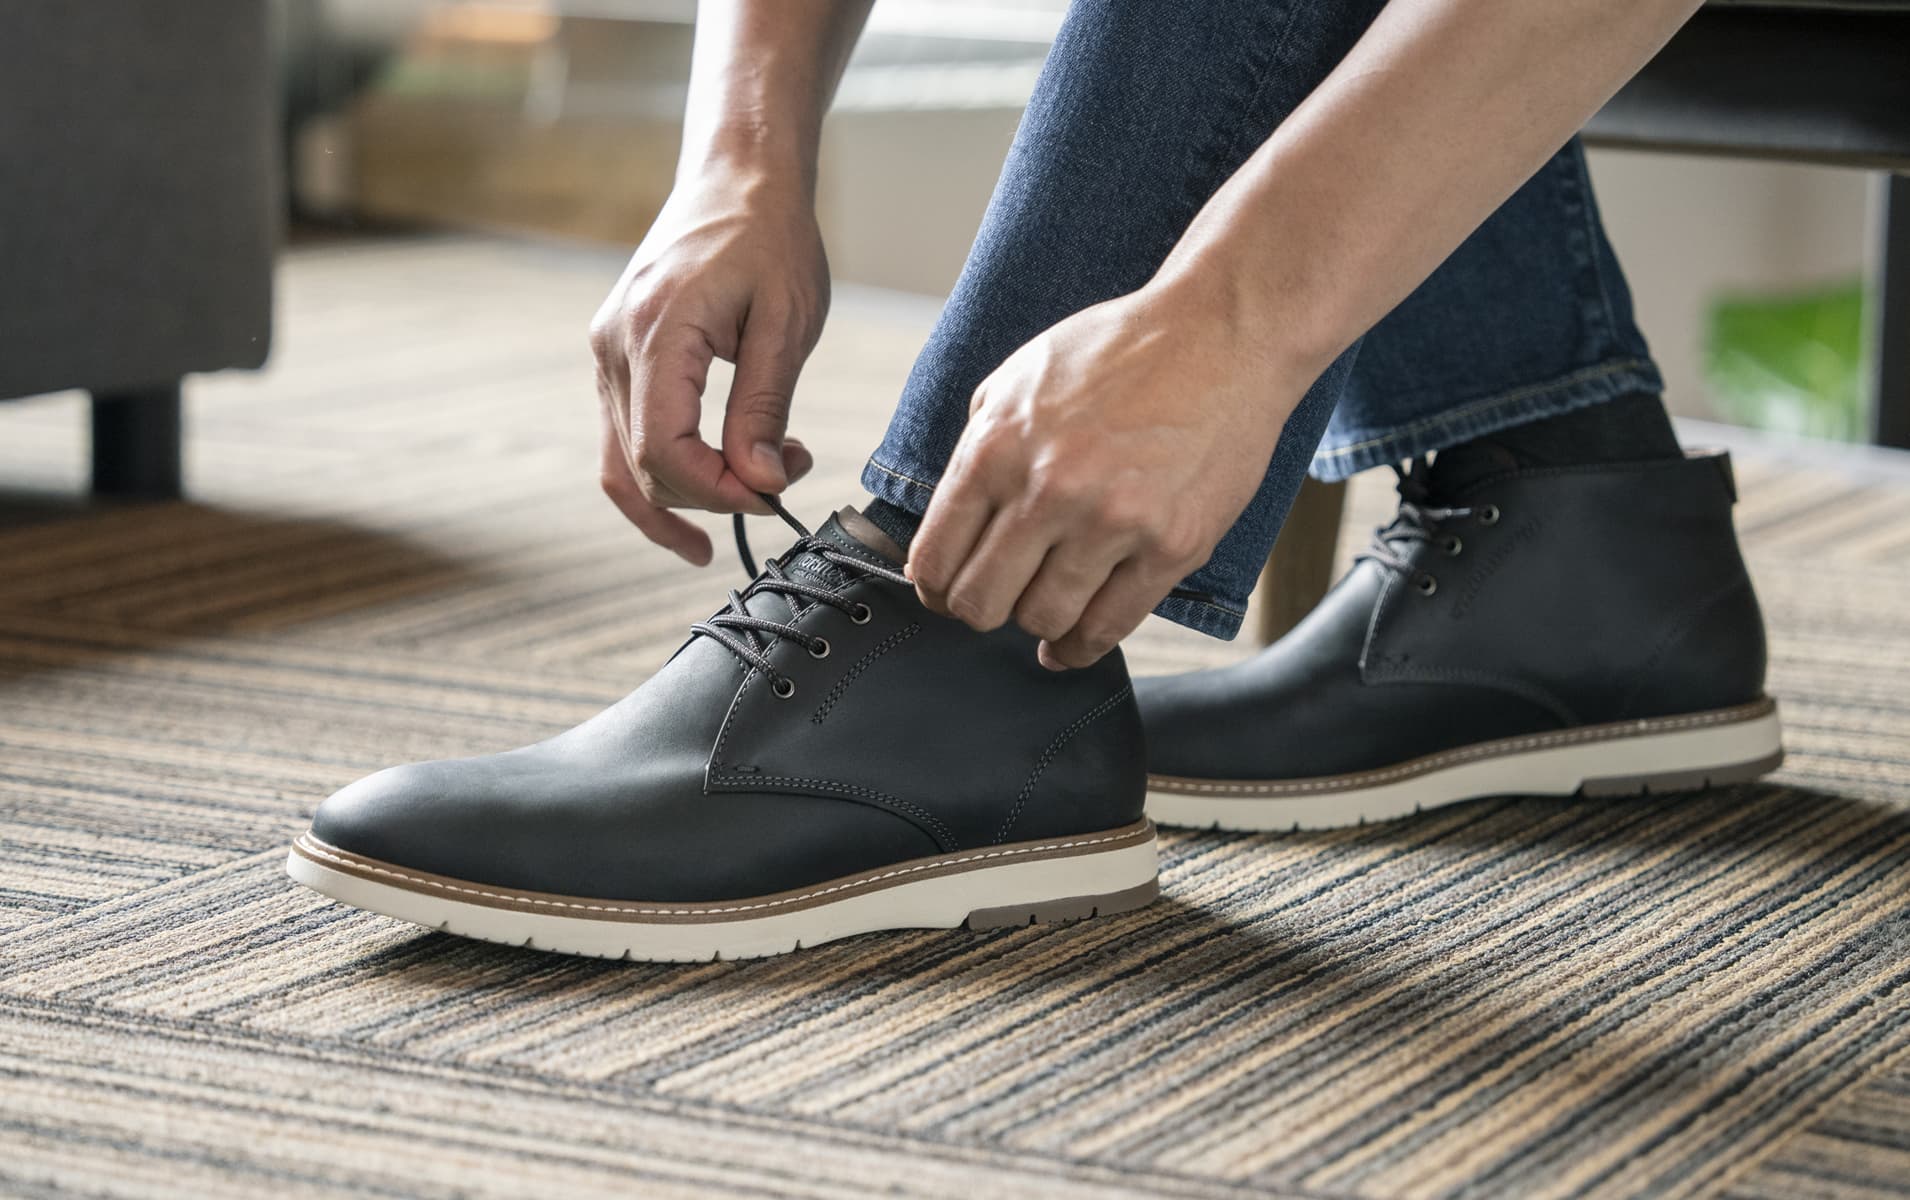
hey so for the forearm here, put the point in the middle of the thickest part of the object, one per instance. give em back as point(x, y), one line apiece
point(1439, 113)
point(761, 78)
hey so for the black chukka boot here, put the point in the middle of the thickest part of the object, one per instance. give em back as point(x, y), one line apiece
point(823, 757)
point(1519, 630)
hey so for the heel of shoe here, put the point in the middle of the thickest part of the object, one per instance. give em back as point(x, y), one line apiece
point(1100, 875)
point(1699, 757)
point(1064, 909)
point(1694, 753)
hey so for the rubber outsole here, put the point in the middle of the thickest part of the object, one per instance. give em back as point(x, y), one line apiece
point(994, 887)
point(1657, 755)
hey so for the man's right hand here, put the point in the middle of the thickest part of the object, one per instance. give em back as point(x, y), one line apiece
point(733, 268)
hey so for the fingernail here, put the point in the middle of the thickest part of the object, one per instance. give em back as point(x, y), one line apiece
point(1047, 659)
point(770, 458)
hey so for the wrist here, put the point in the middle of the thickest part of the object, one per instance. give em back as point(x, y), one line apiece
point(1286, 340)
point(757, 155)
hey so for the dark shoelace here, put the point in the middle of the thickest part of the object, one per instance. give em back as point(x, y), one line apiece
point(1420, 521)
point(747, 626)
point(740, 630)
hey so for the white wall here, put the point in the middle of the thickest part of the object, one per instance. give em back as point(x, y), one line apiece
point(1687, 229)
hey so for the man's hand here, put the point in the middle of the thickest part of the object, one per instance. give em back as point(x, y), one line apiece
point(732, 269)
point(1101, 464)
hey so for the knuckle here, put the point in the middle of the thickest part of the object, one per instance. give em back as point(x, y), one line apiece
point(1116, 509)
point(1040, 620)
point(764, 405)
point(925, 568)
point(928, 580)
point(998, 440)
point(771, 332)
point(1177, 545)
point(970, 610)
point(642, 313)
point(1059, 485)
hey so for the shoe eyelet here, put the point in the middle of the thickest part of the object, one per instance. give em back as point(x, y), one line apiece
point(862, 614)
point(783, 688)
point(819, 648)
point(1426, 584)
point(1452, 545)
point(1489, 515)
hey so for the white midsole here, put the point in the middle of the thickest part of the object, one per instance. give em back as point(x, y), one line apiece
point(934, 902)
point(1550, 771)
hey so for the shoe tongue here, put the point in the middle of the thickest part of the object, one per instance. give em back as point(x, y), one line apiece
point(852, 533)
point(1458, 468)
point(867, 534)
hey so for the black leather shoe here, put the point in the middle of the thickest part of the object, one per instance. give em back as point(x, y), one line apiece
point(823, 757)
point(1533, 632)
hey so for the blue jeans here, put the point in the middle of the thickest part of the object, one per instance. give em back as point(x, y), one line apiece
point(1144, 109)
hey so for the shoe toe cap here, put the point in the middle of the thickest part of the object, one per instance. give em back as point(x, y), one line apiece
point(388, 815)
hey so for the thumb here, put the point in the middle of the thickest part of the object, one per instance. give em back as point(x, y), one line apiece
point(767, 363)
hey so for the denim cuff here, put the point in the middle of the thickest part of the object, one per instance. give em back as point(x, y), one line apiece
point(1211, 616)
point(896, 487)
point(1470, 419)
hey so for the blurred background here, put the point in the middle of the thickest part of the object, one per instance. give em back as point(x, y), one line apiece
point(561, 119)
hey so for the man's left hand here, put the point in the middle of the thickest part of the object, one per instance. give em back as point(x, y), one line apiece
point(1102, 463)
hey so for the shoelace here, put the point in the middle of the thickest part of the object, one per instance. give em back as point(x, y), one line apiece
point(1419, 521)
point(750, 637)
point(748, 626)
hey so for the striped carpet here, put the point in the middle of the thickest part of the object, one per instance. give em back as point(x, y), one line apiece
point(395, 550)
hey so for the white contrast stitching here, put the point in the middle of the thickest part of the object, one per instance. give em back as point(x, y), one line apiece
point(309, 845)
point(924, 484)
point(1170, 783)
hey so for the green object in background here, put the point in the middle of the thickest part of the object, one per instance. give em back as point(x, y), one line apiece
point(1790, 364)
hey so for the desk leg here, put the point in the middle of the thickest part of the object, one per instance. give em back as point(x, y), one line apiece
point(1890, 315)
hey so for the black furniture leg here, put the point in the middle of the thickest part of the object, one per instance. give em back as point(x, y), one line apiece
point(136, 443)
point(1890, 325)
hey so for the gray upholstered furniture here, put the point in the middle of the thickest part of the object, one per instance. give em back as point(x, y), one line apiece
point(139, 212)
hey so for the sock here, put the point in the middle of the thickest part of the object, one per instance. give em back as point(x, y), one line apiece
point(898, 523)
point(1628, 429)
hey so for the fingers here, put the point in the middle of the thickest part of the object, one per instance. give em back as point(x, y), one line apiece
point(797, 461)
point(986, 589)
point(1061, 590)
point(767, 363)
point(1130, 593)
point(957, 514)
point(659, 525)
point(672, 465)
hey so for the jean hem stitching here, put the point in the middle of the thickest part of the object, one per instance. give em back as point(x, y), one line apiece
point(900, 476)
point(1202, 616)
point(1476, 407)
